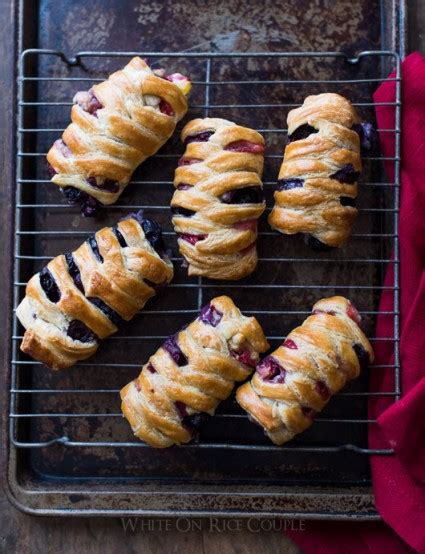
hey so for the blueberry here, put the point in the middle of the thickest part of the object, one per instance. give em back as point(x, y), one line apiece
point(347, 174)
point(368, 136)
point(48, 284)
point(177, 210)
point(107, 185)
point(171, 346)
point(74, 271)
point(362, 355)
point(120, 238)
point(78, 331)
point(246, 195)
point(289, 184)
point(271, 370)
point(348, 201)
point(116, 319)
point(93, 245)
point(210, 315)
point(302, 132)
point(200, 137)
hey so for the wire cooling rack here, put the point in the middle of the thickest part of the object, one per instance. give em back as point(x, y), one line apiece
point(77, 410)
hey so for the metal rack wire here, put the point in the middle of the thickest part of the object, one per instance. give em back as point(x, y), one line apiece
point(35, 242)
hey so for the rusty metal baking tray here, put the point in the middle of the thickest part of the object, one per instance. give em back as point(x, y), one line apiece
point(70, 452)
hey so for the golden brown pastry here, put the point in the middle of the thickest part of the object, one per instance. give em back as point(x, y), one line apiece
point(219, 198)
point(314, 362)
point(317, 184)
point(83, 296)
point(191, 373)
point(116, 125)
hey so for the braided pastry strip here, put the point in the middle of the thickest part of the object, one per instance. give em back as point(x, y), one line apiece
point(314, 362)
point(115, 126)
point(317, 183)
point(218, 198)
point(83, 296)
point(191, 373)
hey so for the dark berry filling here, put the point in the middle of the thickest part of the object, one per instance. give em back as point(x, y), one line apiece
point(247, 195)
point(51, 170)
point(165, 108)
point(95, 249)
point(289, 184)
point(245, 146)
point(309, 412)
point(89, 205)
point(270, 370)
point(210, 315)
point(48, 284)
point(116, 319)
point(347, 174)
point(192, 239)
point(74, 271)
point(301, 133)
point(188, 161)
point(121, 240)
point(183, 186)
point(78, 331)
point(367, 134)
point(88, 102)
point(177, 210)
point(244, 356)
point(362, 355)
point(289, 343)
point(192, 422)
point(200, 137)
point(150, 368)
point(107, 185)
point(318, 245)
point(171, 346)
point(348, 201)
point(322, 389)
point(153, 232)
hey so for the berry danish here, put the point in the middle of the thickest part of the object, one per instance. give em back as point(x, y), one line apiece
point(116, 125)
point(314, 362)
point(191, 373)
point(219, 198)
point(83, 296)
point(317, 184)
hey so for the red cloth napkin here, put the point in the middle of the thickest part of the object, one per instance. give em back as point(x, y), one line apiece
point(399, 480)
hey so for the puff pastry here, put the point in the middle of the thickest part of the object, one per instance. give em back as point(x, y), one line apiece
point(191, 373)
point(116, 125)
point(219, 198)
point(314, 362)
point(317, 184)
point(83, 296)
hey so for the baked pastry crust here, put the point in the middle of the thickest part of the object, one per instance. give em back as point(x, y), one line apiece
point(223, 189)
point(116, 125)
point(317, 183)
point(315, 361)
point(191, 373)
point(77, 298)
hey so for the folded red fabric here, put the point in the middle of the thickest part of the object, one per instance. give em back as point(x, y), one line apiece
point(398, 480)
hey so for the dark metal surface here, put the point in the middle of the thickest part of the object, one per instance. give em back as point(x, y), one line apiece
point(97, 467)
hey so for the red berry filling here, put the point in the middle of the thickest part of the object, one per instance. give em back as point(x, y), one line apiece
point(88, 102)
point(270, 370)
point(245, 146)
point(150, 368)
point(247, 225)
point(210, 315)
point(244, 356)
point(322, 389)
point(188, 161)
point(309, 412)
point(289, 343)
point(192, 239)
point(165, 108)
point(354, 314)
